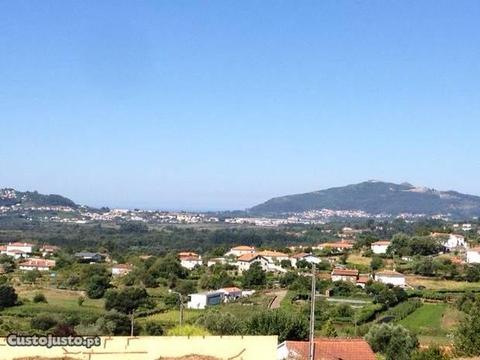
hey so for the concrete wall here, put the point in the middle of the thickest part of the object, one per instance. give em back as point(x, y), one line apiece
point(154, 347)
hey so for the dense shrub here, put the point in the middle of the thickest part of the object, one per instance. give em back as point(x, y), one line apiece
point(39, 298)
point(8, 296)
point(43, 322)
point(154, 329)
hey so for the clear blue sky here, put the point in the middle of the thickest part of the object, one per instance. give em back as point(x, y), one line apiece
point(224, 104)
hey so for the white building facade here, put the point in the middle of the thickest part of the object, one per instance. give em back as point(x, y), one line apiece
point(241, 250)
point(202, 300)
point(391, 277)
point(380, 247)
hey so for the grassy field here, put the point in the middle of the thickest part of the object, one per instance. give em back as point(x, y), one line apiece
point(241, 309)
point(437, 284)
point(61, 303)
point(358, 259)
point(171, 318)
point(433, 322)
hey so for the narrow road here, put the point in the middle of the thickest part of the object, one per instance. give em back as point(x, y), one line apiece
point(279, 296)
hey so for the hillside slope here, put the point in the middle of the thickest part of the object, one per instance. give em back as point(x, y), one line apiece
point(376, 197)
point(9, 197)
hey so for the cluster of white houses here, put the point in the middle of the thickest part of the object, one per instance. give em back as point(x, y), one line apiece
point(352, 275)
point(23, 251)
point(244, 256)
point(451, 242)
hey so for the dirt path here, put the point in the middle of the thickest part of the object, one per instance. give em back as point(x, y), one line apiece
point(279, 296)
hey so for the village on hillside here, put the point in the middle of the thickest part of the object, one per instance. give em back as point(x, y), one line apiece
point(363, 282)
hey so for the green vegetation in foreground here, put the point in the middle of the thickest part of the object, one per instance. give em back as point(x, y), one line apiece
point(432, 322)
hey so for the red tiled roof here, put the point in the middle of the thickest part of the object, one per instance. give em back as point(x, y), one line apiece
point(333, 349)
point(299, 256)
point(270, 253)
point(38, 263)
point(389, 273)
point(345, 272)
point(363, 279)
point(184, 254)
point(338, 245)
point(381, 242)
point(20, 244)
point(243, 248)
point(190, 258)
point(231, 289)
point(49, 248)
point(247, 257)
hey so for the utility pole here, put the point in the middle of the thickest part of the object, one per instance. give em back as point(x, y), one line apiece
point(181, 309)
point(311, 344)
point(180, 298)
point(131, 324)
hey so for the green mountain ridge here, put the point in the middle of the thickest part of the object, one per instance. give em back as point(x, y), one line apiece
point(376, 197)
point(10, 197)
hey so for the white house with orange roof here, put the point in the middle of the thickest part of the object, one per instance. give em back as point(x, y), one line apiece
point(380, 247)
point(121, 269)
point(390, 277)
point(241, 250)
point(231, 293)
point(340, 274)
point(18, 249)
point(190, 259)
point(37, 264)
point(245, 261)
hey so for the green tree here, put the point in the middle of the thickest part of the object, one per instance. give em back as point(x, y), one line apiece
point(376, 263)
point(114, 323)
point(8, 296)
point(39, 298)
point(328, 329)
point(216, 280)
point(254, 277)
point(472, 273)
point(96, 286)
point(220, 323)
point(7, 263)
point(393, 341)
point(400, 245)
point(127, 300)
point(30, 277)
point(154, 328)
point(467, 339)
point(72, 281)
point(288, 326)
point(43, 322)
point(168, 266)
